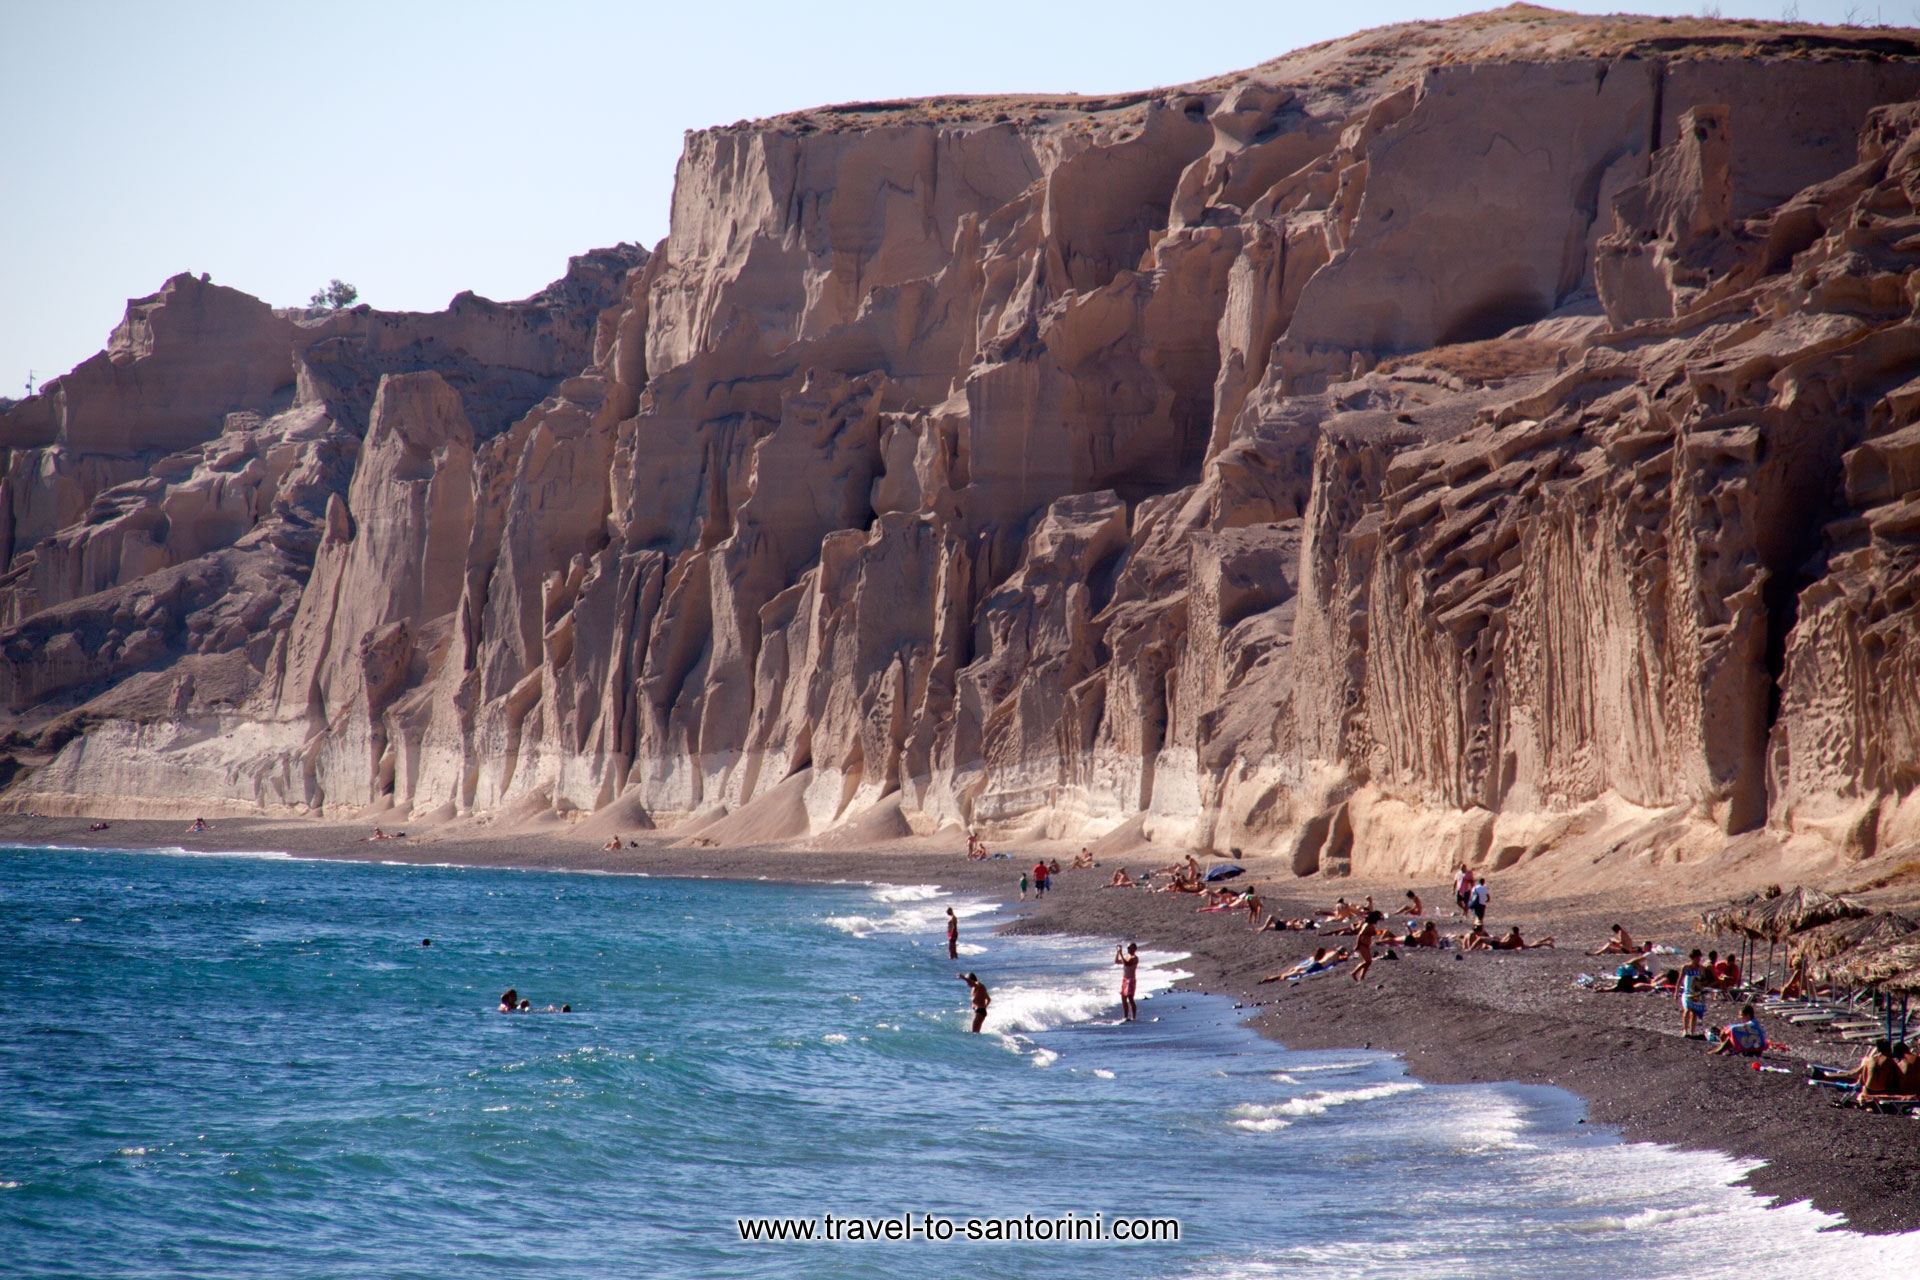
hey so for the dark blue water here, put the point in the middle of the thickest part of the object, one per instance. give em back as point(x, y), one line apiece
point(234, 1066)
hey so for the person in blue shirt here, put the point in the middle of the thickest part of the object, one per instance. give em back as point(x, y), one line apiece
point(1745, 1036)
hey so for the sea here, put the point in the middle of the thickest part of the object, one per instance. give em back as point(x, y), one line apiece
point(253, 1065)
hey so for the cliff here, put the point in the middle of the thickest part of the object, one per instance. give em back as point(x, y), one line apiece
point(1444, 443)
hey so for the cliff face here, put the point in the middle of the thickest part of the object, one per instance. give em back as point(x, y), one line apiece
point(1426, 446)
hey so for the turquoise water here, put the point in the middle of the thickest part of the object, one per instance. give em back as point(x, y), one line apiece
point(249, 1066)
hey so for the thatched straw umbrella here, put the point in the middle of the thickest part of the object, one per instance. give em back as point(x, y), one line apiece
point(1774, 918)
point(1891, 967)
point(1823, 942)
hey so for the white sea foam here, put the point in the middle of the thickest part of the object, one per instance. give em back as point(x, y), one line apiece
point(834, 1038)
point(1103, 1073)
point(1043, 1003)
point(169, 850)
point(1321, 1101)
point(1260, 1124)
point(916, 908)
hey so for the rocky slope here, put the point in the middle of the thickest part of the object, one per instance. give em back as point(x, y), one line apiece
point(1443, 443)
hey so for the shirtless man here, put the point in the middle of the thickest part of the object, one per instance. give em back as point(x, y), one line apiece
point(953, 935)
point(978, 990)
point(1426, 937)
point(1129, 962)
point(1363, 944)
point(1620, 944)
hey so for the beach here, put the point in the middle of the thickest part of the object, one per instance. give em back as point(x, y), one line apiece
point(1479, 1018)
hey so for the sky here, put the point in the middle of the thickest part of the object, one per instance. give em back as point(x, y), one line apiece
point(417, 149)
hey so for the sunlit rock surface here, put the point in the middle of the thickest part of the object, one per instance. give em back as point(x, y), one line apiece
point(1424, 447)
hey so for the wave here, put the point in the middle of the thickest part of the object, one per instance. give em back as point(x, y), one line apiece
point(917, 908)
point(166, 850)
point(1324, 1100)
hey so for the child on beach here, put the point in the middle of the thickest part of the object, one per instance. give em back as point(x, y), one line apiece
point(1693, 996)
point(1023, 886)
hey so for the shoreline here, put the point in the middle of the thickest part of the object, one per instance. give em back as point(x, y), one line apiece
point(1452, 1019)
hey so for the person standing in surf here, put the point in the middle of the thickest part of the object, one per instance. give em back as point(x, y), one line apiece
point(978, 990)
point(953, 935)
point(1129, 962)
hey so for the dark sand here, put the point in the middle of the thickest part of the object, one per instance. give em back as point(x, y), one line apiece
point(1508, 1016)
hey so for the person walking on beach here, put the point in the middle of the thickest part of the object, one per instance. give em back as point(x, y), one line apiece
point(1363, 943)
point(1023, 886)
point(953, 935)
point(1693, 996)
point(1477, 902)
point(1129, 962)
point(1462, 887)
point(978, 990)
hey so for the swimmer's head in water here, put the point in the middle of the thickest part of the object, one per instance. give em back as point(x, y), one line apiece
point(526, 1006)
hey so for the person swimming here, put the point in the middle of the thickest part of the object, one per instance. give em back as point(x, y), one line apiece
point(509, 1000)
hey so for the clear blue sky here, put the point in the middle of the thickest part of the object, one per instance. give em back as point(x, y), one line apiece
point(418, 149)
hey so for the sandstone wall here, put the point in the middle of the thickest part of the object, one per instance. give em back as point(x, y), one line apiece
point(1381, 457)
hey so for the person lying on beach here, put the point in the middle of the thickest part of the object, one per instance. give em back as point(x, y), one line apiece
point(1121, 880)
point(1514, 942)
point(1282, 926)
point(1633, 976)
point(1620, 944)
point(1745, 1036)
point(199, 825)
point(98, 826)
point(978, 990)
point(1319, 962)
point(378, 834)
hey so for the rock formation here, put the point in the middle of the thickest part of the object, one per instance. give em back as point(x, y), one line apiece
point(1416, 449)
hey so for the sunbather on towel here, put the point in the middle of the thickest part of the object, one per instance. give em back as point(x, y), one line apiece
point(1744, 1036)
point(1319, 962)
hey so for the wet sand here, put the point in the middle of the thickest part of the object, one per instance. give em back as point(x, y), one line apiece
point(1455, 1019)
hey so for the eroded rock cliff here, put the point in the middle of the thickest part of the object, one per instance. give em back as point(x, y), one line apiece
point(1418, 448)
